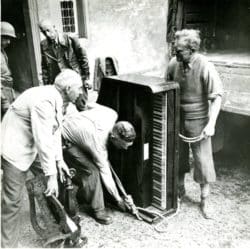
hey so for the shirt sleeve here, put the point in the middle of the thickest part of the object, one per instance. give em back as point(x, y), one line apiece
point(100, 157)
point(44, 125)
point(212, 81)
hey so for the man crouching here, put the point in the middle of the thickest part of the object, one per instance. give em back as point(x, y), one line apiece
point(88, 134)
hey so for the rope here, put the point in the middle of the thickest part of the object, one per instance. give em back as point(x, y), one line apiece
point(164, 219)
point(191, 139)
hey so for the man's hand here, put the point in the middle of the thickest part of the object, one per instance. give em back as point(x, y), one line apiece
point(52, 186)
point(209, 130)
point(62, 169)
point(87, 84)
point(122, 206)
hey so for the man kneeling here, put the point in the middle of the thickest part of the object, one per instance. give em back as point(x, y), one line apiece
point(87, 135)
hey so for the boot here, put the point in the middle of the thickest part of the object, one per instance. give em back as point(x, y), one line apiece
point(102, 217)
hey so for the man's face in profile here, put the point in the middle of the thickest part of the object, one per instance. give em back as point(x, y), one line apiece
point(183, 54)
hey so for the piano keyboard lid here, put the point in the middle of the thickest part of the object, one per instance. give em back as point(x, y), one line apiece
point(150, 83)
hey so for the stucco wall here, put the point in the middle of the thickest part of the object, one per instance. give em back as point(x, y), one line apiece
point(133, 31)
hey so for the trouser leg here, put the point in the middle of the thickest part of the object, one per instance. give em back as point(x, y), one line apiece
point(184, 167)
point(12, 191)
point(91, 191)
point(90, 186)
point(204, 171)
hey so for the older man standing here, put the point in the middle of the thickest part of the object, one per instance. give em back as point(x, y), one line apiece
point(32, 126)
point(201, 92)
point(60, 51)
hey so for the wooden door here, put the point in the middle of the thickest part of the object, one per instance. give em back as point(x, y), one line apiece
point(24, 52)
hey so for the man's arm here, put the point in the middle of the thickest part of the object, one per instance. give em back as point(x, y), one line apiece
point(81, 57)
point(45, 69)
point(42, 124)
point(102, 162)
point(214, 88)
point(209, 130)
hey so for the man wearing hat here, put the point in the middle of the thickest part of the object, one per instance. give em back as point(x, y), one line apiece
point(7, 91)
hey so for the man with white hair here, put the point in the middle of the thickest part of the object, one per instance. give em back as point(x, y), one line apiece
point(31, 127)
point(88, 135)
point(60, 51)
point(200, 96)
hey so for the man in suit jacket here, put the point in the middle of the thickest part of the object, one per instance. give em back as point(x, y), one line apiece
point(60, 51)
point(31, 127)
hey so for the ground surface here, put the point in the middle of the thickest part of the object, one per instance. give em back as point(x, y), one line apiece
point(230, 228)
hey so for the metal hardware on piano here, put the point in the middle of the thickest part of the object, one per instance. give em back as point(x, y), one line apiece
point(149, 168)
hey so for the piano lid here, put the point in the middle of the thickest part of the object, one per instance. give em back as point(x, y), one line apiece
point(150, 83)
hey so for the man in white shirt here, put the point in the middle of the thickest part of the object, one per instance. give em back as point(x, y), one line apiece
point(89, 133)
point(31, 127)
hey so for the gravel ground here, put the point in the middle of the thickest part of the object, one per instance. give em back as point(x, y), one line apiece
point(229, 229)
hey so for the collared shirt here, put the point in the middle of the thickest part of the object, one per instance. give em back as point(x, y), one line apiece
point(32, 126)
point(89, 130)
point(199, 82)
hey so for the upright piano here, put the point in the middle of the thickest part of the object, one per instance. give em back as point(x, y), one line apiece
point(149, 168)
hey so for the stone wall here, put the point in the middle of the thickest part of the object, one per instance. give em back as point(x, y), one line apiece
point(134, 31)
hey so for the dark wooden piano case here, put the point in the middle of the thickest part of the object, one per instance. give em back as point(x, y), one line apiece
point(148, 169)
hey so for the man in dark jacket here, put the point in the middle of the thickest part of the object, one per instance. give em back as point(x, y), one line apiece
point(60, 51)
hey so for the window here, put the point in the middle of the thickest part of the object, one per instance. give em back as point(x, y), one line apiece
point(68, 16)
point(74, 12)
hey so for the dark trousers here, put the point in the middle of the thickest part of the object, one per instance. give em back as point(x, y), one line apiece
point(13, 182)
point(88, 178)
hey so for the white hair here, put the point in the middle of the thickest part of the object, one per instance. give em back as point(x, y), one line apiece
point(189, 37)
point(67, 78)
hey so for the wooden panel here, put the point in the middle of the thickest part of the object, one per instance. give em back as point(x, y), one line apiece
point(236, 83)
point(33, 38)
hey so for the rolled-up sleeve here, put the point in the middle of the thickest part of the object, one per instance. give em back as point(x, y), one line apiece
point(212, 81)
point(46, 133)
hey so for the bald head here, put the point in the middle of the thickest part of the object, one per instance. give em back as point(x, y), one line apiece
point(48, 29)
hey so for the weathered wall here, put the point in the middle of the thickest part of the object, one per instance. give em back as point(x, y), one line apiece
point(133, 31)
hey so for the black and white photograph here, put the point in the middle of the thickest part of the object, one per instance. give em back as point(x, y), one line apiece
point(125, 124)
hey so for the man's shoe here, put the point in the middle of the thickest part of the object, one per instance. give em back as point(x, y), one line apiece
point(102, 217)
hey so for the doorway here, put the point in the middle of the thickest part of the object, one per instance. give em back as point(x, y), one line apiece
point(24, 52)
